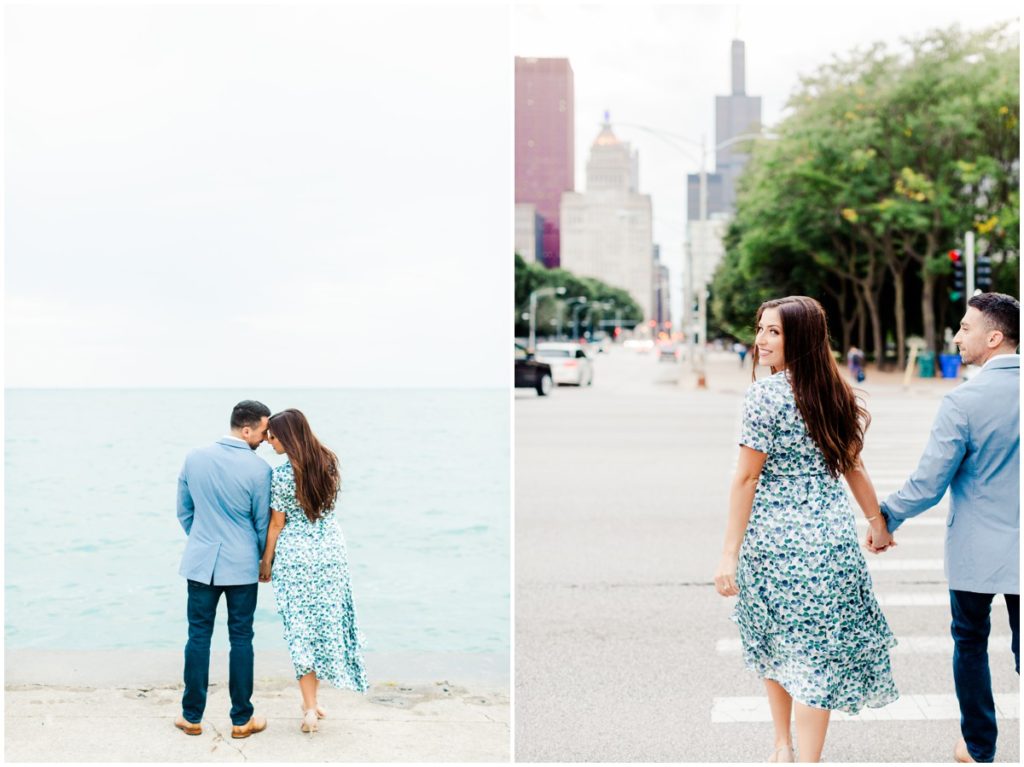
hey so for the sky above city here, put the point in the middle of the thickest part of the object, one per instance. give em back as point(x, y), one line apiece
point(275, 195)
point(661, 66)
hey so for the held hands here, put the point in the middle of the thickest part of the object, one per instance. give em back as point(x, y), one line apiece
point(725, 576)
point(878, 538)
point(264, 571)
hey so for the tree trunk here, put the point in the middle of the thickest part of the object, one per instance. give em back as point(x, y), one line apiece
point(862, 337)
point(871, 302)
point(928, 309)
point(901, 319)
point(846, 318)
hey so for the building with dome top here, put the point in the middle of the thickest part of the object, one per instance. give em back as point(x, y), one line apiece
point(607, 230)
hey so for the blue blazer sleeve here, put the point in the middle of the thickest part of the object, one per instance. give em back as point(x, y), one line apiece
point(261, 510)
point(186, 506)
point(946, 448)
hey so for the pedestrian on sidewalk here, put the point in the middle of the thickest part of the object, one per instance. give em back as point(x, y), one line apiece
point(974, 450)
point(855, 362)
point(741, 350)
point(809, 622)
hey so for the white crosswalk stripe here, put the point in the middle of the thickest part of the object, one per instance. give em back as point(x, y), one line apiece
point(922, 599)
point(906, 708)
point(908, 645)
point(939, 520)
point(893, 563)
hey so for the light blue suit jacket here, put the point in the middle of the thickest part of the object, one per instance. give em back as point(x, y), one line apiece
point(224, 507)
point(974, 449)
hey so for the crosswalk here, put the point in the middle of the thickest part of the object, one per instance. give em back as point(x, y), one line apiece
point(911, 589)
point(906, 708)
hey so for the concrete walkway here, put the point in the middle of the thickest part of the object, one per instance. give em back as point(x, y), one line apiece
point(57, 711)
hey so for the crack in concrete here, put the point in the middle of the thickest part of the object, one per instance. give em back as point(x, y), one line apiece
point(227, 743)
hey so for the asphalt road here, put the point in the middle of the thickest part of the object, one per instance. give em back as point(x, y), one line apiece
point(624, 652)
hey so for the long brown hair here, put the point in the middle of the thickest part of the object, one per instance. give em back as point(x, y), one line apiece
point(317, 479)
point(835, 417)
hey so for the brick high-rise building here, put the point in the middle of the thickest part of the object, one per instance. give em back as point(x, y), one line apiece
point(545, 148)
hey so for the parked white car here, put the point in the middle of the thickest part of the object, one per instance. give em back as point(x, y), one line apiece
point(638, 344)
point(569, 363)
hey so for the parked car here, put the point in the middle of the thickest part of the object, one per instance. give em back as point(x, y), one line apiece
point(638, 344)
point(532, 373)
point(569, 362)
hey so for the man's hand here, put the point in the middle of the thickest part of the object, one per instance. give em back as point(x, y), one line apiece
point(878, 538)
point(264, 572)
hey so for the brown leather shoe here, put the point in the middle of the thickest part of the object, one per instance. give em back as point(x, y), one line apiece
point(188, 727)
point(254, 725)
point(960, 752)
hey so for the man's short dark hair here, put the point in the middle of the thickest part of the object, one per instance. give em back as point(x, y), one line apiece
point(1002, 313)
point(248, 412)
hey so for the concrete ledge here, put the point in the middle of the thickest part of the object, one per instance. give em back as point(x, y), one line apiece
point(114, 706)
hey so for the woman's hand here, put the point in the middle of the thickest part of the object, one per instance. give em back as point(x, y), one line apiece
point(725, 576)
point(264, 571)
point(878, 538)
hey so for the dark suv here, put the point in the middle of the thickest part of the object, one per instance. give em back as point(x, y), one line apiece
point(532, 374)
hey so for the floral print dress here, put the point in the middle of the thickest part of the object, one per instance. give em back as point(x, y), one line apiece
point(313, 591)
point(807, 615)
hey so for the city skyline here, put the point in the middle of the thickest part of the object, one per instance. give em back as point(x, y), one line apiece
point(662, 66)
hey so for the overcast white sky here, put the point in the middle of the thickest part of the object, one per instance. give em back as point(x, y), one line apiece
point(662, 65)
point(264, 195)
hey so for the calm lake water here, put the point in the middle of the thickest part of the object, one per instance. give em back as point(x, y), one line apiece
point(92, 541)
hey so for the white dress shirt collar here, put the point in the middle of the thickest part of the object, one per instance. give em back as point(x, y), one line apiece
point(998, 356)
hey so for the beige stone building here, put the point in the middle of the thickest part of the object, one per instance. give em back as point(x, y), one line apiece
point(607, 229)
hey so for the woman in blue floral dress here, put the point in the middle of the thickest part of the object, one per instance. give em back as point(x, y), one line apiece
point(809, 622)
point(305, 558)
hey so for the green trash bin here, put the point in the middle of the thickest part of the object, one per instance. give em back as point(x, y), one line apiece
point(926, 364)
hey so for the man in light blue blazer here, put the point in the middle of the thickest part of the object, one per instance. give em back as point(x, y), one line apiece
point(224, 508)
point(974, 450)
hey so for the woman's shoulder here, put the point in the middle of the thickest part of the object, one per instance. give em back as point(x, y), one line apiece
point(284, 471)
point(771, 386)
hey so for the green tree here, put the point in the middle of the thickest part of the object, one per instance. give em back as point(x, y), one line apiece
point(884, 160)
point(531, 276)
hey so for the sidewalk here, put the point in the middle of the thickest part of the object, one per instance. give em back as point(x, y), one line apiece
point(89, 717)
point(725, 374)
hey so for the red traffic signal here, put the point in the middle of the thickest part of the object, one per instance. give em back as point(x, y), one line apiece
point(954, 256)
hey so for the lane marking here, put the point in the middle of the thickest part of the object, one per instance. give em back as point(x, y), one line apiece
point(908, 645)
point(907, 708)
point(923, 599)
point(877, 563)
point(910, 523)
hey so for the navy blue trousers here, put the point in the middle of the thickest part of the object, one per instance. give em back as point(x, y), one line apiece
point(202, 611)
point(970, 627)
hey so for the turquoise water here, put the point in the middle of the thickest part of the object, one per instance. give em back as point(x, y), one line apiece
point(92, 542)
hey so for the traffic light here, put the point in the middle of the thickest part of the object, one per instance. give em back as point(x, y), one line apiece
point(983, 272)
point(957, 260)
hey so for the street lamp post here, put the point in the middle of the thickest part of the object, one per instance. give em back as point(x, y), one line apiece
point(580, 303)
point(696, 289)
point(539, 293)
